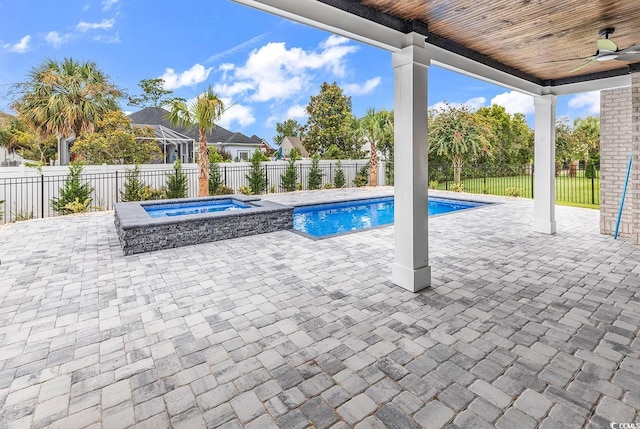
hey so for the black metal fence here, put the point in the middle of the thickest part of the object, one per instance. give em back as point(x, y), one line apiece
point(30, 197)
point(575, 183)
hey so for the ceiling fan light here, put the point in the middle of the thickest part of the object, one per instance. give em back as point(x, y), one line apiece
point(607, 57)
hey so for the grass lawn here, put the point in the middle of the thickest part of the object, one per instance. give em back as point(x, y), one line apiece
point(572, 191)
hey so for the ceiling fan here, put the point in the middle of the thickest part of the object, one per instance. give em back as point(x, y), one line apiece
point(608, 50)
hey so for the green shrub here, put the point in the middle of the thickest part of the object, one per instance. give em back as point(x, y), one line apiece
point(329, 186)
point(149, 193)
point(133, 186)
point(176, 182)
point(513, 192)
point(73, 190)
point(339, 181)
point(362, 178)
point(289, 178)
point(433, 184)
point(486, 190)
point(77, 206)
point(224, 190)
point(257, 180)
point(299, 186)
point(215, 178)
point(246, 190)
point(315, 174)
point(457, 187)
point(272, 189)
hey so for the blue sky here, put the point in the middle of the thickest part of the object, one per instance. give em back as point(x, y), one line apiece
point(267, 66)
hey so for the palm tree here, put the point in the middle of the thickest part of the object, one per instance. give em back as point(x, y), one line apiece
point(61, 99)
point(457, 134)
point(373, 128)
point(204, 111)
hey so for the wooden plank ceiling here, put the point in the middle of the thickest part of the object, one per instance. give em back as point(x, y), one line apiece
point(543, 39)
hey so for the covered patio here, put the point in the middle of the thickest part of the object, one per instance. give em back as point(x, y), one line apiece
point(519, 329)
point(535, 48)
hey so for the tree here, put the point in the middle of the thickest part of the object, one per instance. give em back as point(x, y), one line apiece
point(153, 94)
point(564, 151)
point(256, 177)
point(339, 180)
point(17, 136)
point(328, 124)
point(511, 138)
point(456, 134)
point(74, 194)
point(373, 128)
point(66, 98)
point(289, 180)
point(117, 141)
point(585, 139)
point(204, 111)
point(315, 174)
point(176, 182)
point(133, 186)
point(288, 128)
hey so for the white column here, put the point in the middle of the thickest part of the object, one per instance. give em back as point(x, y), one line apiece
point(411, 268)
point(544, 204)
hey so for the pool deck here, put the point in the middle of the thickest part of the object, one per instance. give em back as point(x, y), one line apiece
point(519, 329)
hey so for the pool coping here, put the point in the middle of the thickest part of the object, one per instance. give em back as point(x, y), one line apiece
point(132, 214)
point(138, 232)
point(346, 200)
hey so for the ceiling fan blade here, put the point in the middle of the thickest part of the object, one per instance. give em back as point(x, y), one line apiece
point(630, 50)
point(583, 65)
point(607, 45)
point(631, 56)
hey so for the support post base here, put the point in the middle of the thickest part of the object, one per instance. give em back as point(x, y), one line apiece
point(410, 279)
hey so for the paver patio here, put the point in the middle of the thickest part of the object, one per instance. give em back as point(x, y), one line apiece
point(519, 329)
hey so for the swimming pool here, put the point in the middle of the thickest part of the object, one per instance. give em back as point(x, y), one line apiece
point(194, 207)
point(323, 220)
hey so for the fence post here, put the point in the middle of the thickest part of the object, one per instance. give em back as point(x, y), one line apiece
point(593, 187)
point(533, 177)
point(42, 196)
point(225, 175)
point(117, 193)
point(266, 178)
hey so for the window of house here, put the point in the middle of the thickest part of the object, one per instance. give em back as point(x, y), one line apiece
point(243, 155)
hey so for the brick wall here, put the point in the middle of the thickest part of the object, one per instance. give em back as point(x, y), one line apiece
point(615, 147)
point(634, 199)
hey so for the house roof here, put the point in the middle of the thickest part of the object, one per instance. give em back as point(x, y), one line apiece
point(155, 116)
point(297, 143)
point(527, 45)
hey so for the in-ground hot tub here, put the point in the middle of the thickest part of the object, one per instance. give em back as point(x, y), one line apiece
point(145, 226)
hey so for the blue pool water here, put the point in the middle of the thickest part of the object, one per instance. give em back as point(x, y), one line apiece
point(334, 218)
point(182, 209)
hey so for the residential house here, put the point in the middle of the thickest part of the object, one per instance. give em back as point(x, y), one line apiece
point(237, 144)
point(291, 142)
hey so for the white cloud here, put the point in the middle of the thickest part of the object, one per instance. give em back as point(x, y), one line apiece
point(107, 39)
point(55, 39)
point(297, 111)
point(274, 72)
point(515, 102)
point(588, 100)
point(362, 89)
point(108, 4)
point(230, 90)
point(21, 47)
point(243, 115)
point(105, 24)
point(474, 103)
point(192, 76)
